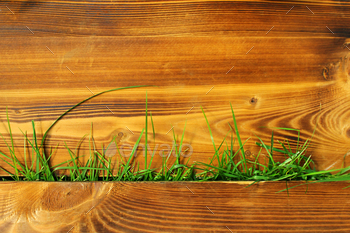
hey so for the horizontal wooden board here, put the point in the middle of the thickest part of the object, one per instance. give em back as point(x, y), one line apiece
point(280, 64)
point(173, 207)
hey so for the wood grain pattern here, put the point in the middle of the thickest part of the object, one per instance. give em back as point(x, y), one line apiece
point(185, 48)
point(173, 207)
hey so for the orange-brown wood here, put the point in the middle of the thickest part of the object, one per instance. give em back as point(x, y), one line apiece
point(275, 61)
point(173, 207)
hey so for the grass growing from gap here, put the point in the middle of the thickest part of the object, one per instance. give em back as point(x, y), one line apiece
point(296, 166)
point(227, 163)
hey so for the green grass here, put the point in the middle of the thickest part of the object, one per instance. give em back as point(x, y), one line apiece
point(229, 162)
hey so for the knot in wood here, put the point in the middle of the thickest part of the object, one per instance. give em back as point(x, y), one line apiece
point(348, 133)
point(253, 100)
point(329, 72)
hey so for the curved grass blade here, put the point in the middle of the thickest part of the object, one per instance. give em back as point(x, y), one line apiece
point(93, 96)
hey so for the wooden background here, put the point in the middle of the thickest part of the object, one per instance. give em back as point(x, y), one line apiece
point(275, 61)
point(172, 207)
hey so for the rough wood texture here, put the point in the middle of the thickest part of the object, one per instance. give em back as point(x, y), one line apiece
point(173, 207)
point(51, 51)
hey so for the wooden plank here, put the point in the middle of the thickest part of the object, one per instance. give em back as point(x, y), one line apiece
point(173, 207)
point(53, 50)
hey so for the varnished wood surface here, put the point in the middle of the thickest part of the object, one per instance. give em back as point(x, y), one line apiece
point(173, 207)
point(51, 51)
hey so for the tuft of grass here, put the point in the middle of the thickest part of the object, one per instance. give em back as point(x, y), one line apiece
point(227, 164)
point(296, 166)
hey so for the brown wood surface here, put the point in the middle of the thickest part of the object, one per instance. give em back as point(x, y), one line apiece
point(51, 51)
point(173, 207)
